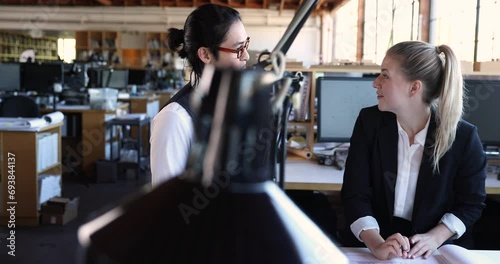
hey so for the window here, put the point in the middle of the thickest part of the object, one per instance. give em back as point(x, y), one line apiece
point(388, 22)
point(66, 49)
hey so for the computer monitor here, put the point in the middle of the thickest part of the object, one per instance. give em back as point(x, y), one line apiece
point(10, 77)
point(138, 77)
point(339, 101)
point(95, 77)
point(41, 77)
point(483, 104)
point(115, 78)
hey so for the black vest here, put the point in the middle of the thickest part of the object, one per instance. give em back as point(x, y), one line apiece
point(183, 98)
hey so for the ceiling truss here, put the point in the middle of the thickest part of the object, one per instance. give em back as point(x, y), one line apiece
point(323, 5)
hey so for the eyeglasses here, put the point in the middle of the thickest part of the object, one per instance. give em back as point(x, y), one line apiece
point(238, 51)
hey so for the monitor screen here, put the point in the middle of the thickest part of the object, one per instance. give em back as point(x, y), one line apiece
point(41, 77)
point(10, 77)
point(118, 78)
point(339, 101)
point(483, 104)
point(137, 77)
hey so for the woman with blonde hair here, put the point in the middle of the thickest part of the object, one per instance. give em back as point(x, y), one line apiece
point(415, 173)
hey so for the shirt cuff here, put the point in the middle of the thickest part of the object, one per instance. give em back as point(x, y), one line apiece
point(362, 224)
point(455, 225)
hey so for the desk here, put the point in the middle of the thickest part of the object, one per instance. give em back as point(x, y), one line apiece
point(92, 144)
point(309, 175)
point(19, 159)
point(363, 255)
point(149, 104)
point(165, 96)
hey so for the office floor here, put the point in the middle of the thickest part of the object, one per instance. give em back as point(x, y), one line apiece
point(58, 244)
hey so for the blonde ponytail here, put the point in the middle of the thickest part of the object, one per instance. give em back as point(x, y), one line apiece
point(449, 104)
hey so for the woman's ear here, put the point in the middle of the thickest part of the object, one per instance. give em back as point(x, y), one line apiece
point(204, 55)
point(415, 87)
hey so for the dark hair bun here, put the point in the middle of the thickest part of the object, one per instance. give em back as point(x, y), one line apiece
point(176, 41)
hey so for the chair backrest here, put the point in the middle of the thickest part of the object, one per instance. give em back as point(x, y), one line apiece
point(19, 106)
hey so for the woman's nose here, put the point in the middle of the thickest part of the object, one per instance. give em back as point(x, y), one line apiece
point(375, 83)
point(245, 55)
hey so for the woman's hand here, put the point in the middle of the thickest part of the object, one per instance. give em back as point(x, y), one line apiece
point(425, 244)
point(396, 245)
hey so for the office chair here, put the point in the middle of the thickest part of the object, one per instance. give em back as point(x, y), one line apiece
point(19, 106)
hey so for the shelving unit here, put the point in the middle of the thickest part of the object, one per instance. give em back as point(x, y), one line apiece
point(106, 43)
point(102, 43)
point(23, 146)
point(313, 73)
point(156, 47)
point(12, 44)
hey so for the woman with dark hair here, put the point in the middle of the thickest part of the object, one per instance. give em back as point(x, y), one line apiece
point(415, 173)
point(212, 34)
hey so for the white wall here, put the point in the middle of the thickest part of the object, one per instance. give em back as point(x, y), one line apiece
point(305, 48)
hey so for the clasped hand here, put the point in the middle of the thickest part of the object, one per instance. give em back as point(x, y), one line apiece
point(401, 246)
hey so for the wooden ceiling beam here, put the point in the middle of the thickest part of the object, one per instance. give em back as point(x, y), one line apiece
point(425, 15)
point(104, 2)
point(323, 5)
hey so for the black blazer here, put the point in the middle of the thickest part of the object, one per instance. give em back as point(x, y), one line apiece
point(371, 171)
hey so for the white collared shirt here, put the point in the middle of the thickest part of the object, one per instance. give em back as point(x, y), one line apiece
point(172, 132)
point(409, 160)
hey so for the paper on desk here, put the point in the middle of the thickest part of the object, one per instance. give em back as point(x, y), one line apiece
point(456, 254)
point(139, 116)
point(447, 254)
point(364, 256)
point(54, 117)
point(22, 122)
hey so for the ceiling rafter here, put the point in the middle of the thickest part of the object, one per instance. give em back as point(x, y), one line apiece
point(323, 5)
point(102, 2)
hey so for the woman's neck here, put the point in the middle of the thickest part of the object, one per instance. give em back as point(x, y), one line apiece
point(414, 121)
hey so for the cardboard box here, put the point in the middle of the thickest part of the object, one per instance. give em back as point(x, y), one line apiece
point(59, 210)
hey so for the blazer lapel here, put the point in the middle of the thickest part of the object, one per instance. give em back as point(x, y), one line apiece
point(425, 174)
point(388, 145)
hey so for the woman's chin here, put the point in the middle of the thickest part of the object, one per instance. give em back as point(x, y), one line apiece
point(381, 107)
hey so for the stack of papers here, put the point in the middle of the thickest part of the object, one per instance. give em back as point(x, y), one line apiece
point(22, 122)
point(139, 116)
point(30, 122)
point(49, 186)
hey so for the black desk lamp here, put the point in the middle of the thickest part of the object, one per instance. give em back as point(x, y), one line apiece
point(224, 208)
point(281, 118)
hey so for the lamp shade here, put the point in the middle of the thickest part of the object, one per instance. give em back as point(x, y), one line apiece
point(224, 208)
